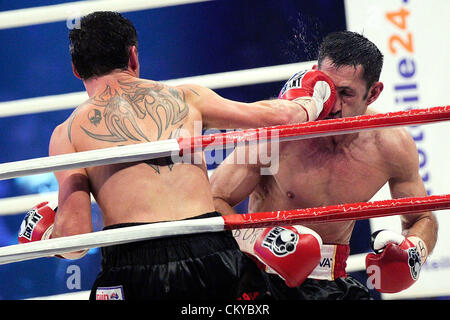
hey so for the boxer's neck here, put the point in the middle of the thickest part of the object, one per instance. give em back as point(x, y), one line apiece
point(96, 85)
point(338, 143)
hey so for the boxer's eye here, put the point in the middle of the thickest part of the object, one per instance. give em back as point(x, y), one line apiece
point(346, 93)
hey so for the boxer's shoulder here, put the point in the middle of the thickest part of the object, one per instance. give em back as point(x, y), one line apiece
point(397, 147)
point(395, 141)
point(392, 139)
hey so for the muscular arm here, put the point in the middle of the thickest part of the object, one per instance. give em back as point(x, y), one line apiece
point(221, 113)
point(233, 181)
point(407, 182)
point(74, 203)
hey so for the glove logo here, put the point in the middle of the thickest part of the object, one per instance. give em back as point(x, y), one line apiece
point(414, 262)
point(293, 82)
point(29, 223)
point(280, 241)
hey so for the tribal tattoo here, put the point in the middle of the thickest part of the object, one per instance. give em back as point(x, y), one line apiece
point(120, 110)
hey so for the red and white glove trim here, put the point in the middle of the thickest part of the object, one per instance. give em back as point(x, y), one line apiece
point(33, 218)
point(38, 225)
point(380, 239)
point(311, 85)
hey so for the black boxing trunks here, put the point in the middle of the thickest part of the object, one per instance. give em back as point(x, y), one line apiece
point(203, 266)
point(328, 281)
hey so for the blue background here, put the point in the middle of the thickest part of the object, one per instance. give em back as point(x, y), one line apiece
point(174, 42)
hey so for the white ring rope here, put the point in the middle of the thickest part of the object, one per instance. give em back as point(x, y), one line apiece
point(352, 211)
point(50, 247)
point(71, 10)
point(106, 156)
point(212, 81)
point(21, 204)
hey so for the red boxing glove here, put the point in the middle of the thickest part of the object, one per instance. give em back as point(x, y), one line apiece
point(292, 252)
point(38, 225)
point(396, 263)
point(314, 85)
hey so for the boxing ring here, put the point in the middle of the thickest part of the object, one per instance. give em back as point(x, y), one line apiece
point(152, 150)
point(351, 211)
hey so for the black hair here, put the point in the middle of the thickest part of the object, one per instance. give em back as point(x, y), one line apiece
point(347, 48)
point(101, 42)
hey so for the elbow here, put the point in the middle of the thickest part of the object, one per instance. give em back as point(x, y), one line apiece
point(223, 206)
point(219, 201)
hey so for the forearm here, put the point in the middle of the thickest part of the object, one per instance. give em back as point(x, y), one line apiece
point(221, 113)
point(74, 212)
point(423, 227)
point(288, 112)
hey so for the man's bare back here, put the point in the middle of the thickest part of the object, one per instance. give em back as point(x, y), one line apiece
point(132, 111)
point(124, 110)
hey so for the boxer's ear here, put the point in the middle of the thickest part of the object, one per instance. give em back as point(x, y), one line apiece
point(133, 62)
point(374, 92)
point(75, 72)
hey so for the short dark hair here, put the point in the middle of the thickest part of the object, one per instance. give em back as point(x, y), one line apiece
point(101, 43)
point(347, 48)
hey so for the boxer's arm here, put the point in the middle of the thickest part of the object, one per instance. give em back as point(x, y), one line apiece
point(220, 113)
point(396, 262)
point(74, 201)
point(233, 181)
point(407, 182)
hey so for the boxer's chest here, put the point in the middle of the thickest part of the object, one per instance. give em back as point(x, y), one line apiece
point(311, 177)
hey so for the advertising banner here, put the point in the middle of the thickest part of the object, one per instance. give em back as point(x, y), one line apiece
point(413, 36)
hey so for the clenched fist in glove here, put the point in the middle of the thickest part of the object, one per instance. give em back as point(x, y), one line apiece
point(292, 252)
point(310, 85)
point(396, 263)
point(38, 225)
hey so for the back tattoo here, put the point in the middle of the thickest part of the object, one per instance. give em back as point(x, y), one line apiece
point(119, 109)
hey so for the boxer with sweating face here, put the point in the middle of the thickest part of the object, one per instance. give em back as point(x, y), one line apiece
point(335, 170)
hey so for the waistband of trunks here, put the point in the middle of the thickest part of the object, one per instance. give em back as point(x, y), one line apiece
point(130, 224)
point(167, 249)
point(332, 263)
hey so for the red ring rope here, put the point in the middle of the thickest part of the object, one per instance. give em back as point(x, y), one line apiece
point(342, 212)
point(318, 128)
